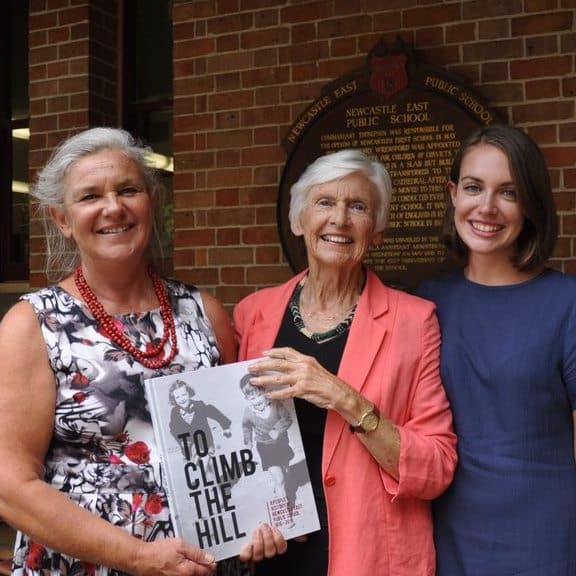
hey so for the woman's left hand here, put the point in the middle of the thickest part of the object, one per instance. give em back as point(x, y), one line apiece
point(299, 375)
point(303, 377)
point(267, 541)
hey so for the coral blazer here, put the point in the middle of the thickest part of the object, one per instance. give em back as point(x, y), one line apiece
point(377, 525)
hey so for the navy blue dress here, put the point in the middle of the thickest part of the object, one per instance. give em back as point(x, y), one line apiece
point(509, 367)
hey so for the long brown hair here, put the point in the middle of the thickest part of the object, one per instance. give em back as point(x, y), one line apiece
point(531, 178)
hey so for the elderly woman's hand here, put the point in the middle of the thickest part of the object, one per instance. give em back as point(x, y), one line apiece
point(267, 541)
point(300, 376)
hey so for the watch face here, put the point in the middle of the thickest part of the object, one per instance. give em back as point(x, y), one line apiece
point(370, 422)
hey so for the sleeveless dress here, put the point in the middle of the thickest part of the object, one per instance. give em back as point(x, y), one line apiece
point(103, 454)
point(508, 364)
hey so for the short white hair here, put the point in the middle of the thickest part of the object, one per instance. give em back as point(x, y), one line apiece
point(338, 165)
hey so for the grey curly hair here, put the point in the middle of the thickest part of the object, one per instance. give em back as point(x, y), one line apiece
point(62, 255)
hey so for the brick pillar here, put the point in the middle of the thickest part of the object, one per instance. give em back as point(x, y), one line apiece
point(73, 74)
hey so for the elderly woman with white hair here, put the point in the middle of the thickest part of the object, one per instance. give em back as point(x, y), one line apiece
point(361, 361)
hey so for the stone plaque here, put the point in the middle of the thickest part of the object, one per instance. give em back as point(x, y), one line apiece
point(412, 117)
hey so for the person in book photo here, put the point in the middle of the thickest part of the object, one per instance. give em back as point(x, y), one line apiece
point(265, 425)
point(508, 362)
point(80, 467)
point(189, 415)
point(361, 361)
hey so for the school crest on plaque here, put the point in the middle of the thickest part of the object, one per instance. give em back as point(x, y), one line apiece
point(388, 74)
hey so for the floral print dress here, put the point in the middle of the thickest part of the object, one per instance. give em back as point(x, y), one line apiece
point(103, 454)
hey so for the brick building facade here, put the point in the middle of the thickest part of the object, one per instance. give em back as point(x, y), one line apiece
point(244, 69)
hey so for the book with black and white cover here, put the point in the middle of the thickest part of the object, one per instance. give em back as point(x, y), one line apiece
point(231, 458)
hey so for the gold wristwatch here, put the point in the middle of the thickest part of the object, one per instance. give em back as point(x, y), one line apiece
point(368, 422)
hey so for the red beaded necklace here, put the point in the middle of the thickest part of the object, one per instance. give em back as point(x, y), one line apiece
point(153, 357)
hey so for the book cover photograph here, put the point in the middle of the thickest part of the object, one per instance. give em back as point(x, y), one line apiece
point(231, 458)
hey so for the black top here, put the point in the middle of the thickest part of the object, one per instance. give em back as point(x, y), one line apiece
point(309, 558)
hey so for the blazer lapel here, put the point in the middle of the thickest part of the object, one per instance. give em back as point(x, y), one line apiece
point(272, 311)
point(366, 336)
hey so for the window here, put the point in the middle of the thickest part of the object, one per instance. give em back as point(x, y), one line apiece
point(14, 217)
point(147, 89)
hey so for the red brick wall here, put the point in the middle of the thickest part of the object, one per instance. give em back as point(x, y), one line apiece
point(244, 69)
point(73, 72)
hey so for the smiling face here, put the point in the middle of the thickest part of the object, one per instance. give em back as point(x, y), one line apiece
point(181, 396)
point(256, 398)
point(107, 208)
point(337, 222)
point(487, 215)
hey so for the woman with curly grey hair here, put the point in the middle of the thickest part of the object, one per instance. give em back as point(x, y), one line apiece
point(62, 254)
point(81, 480)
